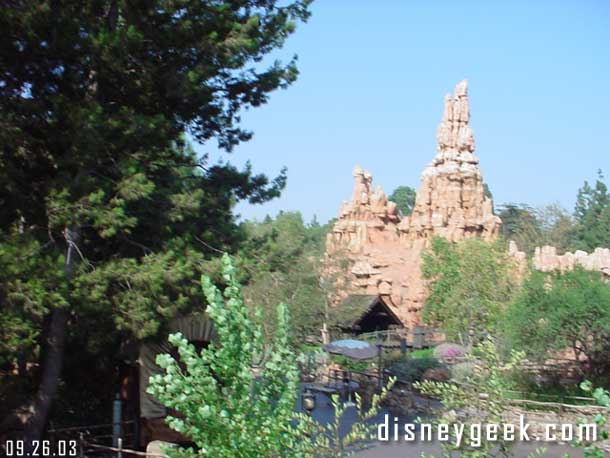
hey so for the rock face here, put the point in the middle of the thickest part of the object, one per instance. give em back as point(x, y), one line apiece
point(451, 202)
point(385, 251)
point(368, 219)
point(546, 259)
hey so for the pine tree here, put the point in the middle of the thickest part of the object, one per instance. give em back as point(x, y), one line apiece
point(106, 216)
point(404, 198)
point(592, 214)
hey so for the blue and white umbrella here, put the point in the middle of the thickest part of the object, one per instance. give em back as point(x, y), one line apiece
point(351, 348)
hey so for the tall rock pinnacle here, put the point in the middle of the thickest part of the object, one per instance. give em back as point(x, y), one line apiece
point(454, 134)
point(385, 250)
point(451, 202)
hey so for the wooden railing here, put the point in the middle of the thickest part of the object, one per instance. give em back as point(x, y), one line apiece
point(418, 337)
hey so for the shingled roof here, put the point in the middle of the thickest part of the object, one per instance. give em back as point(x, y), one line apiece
point(350, 313)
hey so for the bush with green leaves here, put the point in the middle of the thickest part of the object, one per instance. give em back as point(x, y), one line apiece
point(602, 398)
point(482, 399)
point(563, 311)
point(227, 410)
point(470, 284)
point(422, 353)
point(412, 370)
point(223, 407)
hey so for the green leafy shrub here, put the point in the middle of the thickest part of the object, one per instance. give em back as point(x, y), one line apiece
point(225, 409)
point(412, 370)
point(602, 398)
point(228, 411)
point(470, 285)
point(557, 311)
point(422, 353)
point(349, 364)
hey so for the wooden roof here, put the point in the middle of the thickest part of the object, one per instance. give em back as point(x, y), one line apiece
point(356, 308)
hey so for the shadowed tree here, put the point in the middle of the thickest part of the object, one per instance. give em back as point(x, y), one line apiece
point(592, 214)
point(104, 210)
point(404, 198)
point(556, 312)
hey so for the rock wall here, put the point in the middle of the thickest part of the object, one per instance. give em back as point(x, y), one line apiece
point(384, 249)
point(546, 259)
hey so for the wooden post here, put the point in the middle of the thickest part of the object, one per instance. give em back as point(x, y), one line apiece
point(81, 446)
point(403, 346)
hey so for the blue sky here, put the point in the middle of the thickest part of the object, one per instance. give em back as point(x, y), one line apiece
point(370, 92)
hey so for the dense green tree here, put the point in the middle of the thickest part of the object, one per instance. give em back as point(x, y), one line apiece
point(557, 226)
point(520, 224)
point(470, 283)
point(281, 262)
point(532, 227)
point(105, 213)
point(556, 311)
point(592, 214)
point(404, 198)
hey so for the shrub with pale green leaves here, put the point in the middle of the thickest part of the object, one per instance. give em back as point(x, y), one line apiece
point(481, 399)
point(227, 410)
point(223, 407)
point(602, 420)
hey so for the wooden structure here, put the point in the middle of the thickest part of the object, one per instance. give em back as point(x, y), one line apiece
point(372, 318)
point(359, 314)
point(199, 330)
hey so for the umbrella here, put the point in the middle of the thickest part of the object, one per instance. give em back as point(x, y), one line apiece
point(351, 348)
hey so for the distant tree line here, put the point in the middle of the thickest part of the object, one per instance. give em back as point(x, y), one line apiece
point(587, 228)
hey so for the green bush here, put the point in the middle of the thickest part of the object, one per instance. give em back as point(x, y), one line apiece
point(228, 411)
point(223, 407)
point(461, 372)
point(411, 370)
point(349, 364)
point(423, 353)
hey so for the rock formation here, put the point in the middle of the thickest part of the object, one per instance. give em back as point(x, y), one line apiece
point(384, 251)
point(451, 202)
point(368, 219)
point(546, 259)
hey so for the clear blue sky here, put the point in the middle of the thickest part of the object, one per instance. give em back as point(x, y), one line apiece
point(370, 92)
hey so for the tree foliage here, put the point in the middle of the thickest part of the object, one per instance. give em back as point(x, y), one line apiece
point(106, 215)
point(557, 226)
point(559, 311)
point(404, 198)
point(280, 260)
point(592, 214)
point(224, 408)
point(592, 449)
point(521, 224)
point(236, 398)
point(470, 283)
point(531, 227)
